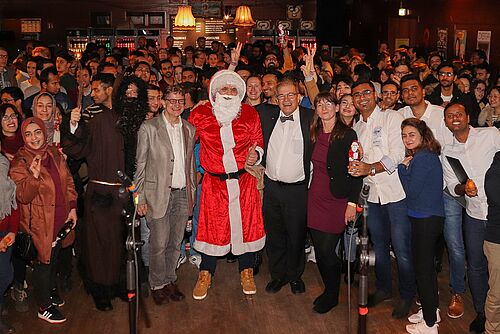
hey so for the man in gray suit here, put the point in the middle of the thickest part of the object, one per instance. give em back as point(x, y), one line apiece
point(165, 178)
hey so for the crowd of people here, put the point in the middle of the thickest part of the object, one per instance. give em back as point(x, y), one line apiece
point(239, 150)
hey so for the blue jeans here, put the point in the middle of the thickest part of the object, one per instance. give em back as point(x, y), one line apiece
point(6, 271)
point(196, 215)
point(453, 235)
point(388, 225)
point(477, 264)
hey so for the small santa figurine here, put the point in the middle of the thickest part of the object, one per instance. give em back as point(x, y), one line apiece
point(354, 154)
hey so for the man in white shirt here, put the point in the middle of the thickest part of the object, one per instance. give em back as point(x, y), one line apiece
point(475, 149)
point(165, 177)
point(412, 92)
point(380, 136)
point(287, 159)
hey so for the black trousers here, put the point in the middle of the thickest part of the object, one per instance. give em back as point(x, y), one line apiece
point(245, 260)
point(329, 264)
point(44, 278)
point(285, 222)
point(425, 236)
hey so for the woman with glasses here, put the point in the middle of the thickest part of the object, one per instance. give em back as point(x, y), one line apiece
point(333, 195)
point(478, 87)
point(490, 115)
point(11, 139)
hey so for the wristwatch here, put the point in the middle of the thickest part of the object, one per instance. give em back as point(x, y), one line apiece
point(373, 171)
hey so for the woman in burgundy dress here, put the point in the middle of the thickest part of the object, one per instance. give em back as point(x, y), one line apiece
point(333, 194)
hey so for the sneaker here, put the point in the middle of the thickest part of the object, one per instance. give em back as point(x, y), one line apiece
point(419, 317)
point(201, 289)
point(20, 297)
point(456, 306)
point(182, 259)
point(55, 299)
point(311, 256)
point(247, 282)
point(196, 260)
point(478, 324)
point(51, 314)
point(422, 328)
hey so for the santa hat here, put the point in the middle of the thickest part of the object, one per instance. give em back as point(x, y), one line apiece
point(223, 78)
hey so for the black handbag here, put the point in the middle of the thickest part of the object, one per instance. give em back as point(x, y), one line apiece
point(24, 246)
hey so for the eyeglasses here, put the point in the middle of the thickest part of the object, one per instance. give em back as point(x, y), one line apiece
point(389, 93)
point(8, 100)
point(364, 93)
point(12, 117)
point(176, 101)
point(4, 56)
point(289, 96)
point(446, 74)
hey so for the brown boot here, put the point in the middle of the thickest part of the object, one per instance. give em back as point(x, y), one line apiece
point(456, 306)
point(201, 289)
point(247, 282)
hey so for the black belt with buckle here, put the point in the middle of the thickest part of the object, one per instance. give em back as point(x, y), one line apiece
point(177, 189)
point(229, 176)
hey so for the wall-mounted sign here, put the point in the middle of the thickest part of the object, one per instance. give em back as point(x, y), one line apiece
point(307, 25)
point(208, 9)
point(287, 25)
point(294, 12)
point(484, 42)
point(460, 40)
point(263, 25)
point(31, 25)
point(442, 41)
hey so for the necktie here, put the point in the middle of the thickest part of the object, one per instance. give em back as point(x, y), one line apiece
point(283, 119)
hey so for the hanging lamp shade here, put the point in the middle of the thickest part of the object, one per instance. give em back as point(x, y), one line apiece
point(243, 17)
point(184, 20)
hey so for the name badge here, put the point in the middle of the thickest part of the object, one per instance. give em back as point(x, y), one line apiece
point(377, 136)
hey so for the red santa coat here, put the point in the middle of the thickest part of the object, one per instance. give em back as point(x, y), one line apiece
point(230, 211)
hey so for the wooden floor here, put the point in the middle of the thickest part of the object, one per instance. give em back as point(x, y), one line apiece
point(227, 310)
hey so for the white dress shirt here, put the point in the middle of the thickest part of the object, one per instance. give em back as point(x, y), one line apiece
point(380, 137)
point(285, 151)
point(476, 156)
point(177, 141)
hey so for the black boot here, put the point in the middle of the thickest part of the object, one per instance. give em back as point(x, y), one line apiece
point(331, 278)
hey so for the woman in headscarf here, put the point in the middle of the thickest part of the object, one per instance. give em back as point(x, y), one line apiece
point(9, 222)
point(47, 199)
point(45, 108)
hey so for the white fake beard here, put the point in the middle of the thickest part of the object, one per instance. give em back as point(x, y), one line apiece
point(226, 108)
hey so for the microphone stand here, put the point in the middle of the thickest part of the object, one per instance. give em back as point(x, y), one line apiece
point(132, 246)
point(363, 263)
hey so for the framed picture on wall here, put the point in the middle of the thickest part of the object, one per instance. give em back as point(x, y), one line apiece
point(157, 20)
point(100, 19)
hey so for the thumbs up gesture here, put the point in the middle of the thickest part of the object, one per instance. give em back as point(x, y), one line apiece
point(252, 155)
point(76, 114)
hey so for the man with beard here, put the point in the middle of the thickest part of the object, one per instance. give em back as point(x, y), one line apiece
point(447, 91)
point(154, 101)
point(269, 83)
point(167, 74)
point(230, 217)
point(433, 62)
point(389, 96)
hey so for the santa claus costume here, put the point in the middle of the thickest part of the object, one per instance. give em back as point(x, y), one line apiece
point(230, 208)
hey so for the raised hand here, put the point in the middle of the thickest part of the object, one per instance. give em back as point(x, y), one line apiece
point(36, 165)
point(76, 114)
point(235, 53)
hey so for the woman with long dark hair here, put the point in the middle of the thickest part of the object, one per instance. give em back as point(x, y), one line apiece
point(421, 175)
point(332, 196)
point(10, 138)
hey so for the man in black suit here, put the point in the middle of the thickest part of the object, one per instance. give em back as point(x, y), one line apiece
point(287, 160)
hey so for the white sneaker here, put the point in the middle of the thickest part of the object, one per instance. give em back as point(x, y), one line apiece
point(422, 328)
point(196, 260)
point(419, 317)
point(182, 259)
point(311, 256)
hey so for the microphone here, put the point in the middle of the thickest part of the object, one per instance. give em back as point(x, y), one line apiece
point(126, 181)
